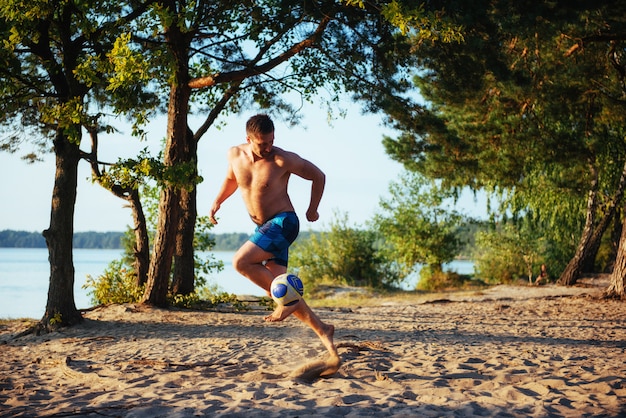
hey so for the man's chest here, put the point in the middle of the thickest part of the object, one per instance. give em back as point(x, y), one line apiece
point(260, 175)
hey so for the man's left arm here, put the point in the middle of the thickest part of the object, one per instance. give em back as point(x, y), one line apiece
point(309, 171)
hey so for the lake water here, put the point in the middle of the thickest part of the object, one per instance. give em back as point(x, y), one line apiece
point(25, 274)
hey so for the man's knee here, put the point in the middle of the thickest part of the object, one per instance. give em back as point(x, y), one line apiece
point(239, 262)
point(243, 260)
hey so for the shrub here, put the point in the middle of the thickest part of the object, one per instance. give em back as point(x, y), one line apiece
point(506, 254)
point(439, 280)
point(343, 255)
point(116, 285)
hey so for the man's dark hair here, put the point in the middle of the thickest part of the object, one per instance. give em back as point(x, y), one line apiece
point(260, 124)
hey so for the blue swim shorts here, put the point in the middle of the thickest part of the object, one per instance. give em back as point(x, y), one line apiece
point(276, 235)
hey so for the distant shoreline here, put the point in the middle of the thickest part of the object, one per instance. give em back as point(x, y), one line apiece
point(109, 240)
point(103, 240)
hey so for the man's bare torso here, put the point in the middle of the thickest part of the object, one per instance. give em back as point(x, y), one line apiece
point(262, 181)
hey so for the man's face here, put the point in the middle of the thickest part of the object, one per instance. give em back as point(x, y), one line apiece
point(261, 144)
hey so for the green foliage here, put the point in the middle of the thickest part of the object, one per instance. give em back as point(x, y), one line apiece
point(21, 239)
point(437, 281)
point(416, 225)
point(606, 254)
point(129, 65)
point(411, 18)
point(133, 173)
point(56, 320)
point(230, 241)
point(529, 107)
point(210, 296)
point(343, 255)
point(204, 242)
point(507, 253)
point(56, 67)
point(184, 301)
point(213, 297)
point(97, 240)
point(466, 234)
point(116, 285)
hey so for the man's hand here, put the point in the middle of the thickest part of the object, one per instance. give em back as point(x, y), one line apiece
point(312, 215)
point(214, 210)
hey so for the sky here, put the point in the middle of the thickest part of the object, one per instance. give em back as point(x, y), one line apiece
point(349, 150)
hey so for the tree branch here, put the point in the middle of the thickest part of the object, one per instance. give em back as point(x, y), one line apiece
point(217, 109)
point(239, 75)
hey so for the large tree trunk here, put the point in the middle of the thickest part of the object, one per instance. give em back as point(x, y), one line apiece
point(589, 257)
point(618, 277)
point(616, 233)
point(160, 268)
point(60, 307)
point(165, 238)
point(574, 267)
point(184, 260)
point(176, 153)
point(611, 213)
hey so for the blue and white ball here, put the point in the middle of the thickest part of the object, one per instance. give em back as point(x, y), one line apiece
point(287, 289)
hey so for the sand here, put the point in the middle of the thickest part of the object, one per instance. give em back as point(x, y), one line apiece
point(510, 351)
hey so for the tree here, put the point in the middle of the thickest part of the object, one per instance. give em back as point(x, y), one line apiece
point(129, 180)
point(417, 226)
point(44, 90)
point(530, 97)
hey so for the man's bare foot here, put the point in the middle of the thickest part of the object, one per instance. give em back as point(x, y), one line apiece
point(328, 332)
point(281, 312)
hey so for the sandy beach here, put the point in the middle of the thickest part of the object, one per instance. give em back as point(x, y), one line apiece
point(508, 351)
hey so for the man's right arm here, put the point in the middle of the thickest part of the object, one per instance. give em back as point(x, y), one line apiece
point(309, 171)
point(228, 188)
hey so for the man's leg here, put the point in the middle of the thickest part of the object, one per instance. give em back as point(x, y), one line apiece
point(248, 261)
point(303, 312)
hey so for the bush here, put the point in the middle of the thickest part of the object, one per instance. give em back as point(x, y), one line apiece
point(439, 280)
point(506, 254)
point(116, 285)
point(342, 256)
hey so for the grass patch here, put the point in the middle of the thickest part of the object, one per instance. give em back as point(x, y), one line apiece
point(347, 297)
point(9, 321)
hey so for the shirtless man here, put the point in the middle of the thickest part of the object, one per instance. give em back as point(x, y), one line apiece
point(261, 172)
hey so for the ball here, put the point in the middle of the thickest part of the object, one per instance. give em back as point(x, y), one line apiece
point(287, 289)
